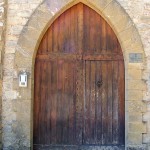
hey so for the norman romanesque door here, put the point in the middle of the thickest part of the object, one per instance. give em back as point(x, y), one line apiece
point(79, 84)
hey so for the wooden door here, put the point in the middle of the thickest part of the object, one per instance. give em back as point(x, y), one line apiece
point(79, 84)
point(103, 123)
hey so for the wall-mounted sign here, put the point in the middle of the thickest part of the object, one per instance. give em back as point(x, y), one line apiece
point(23, 79)
point(135, 57)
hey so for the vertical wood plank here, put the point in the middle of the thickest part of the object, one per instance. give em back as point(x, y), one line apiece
point(45, 44)
point(79, 102)
point(99, 104)
point(59, 34)
point(42, 106)
point(71, 87)
point(55, 31)
point(108, 39)
point(92, 31)
point(54, 102)
point(48, 104)
point(103, 24)
point(115, 103)
point(98, 28)
point(104, 103)
point(110, 101)
point(80, 27)
point(92, 102)
point(36, 101)
point(49, 40)
point(67, 32)
point(86, 32)
point(73, 38)
point(121, 88)
point(75, 14)
point(45, 101)
point(87, 115)
point(59, 100)
point(65, 103)
point(115, 43)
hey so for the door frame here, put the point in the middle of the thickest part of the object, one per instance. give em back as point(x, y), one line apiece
point(32, 33)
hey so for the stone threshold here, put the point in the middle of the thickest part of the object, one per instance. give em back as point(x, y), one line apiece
point(77, 147)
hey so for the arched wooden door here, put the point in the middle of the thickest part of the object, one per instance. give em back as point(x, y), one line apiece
point(79, 84)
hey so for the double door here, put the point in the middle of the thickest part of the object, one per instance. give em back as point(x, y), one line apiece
point(79, 101)
point(79, 84)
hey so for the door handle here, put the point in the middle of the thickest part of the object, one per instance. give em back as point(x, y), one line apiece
point(99, 83)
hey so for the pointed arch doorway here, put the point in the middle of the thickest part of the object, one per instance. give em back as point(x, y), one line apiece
point(79, 84)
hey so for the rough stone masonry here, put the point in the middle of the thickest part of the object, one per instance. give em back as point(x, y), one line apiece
point(14, 16)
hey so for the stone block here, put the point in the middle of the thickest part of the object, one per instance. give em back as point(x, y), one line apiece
point(54, 7)
point(9, 61)
point(7, 85)
point(16, 21)
point(101, 4)
point(22, 61)
point(139, 66)
point(31, 33)
point(137, 147)
point(148, 107)
point(24, 13)
point(39, 20)
point(15, 30)
point(113, 12)
point(146, 117)
point(137, 127)
point(135, 95)
point(26, 45)
point(135, 138)
point(123, 24)
point(25, 93)
point(134, 117)
point(136, 106)
point(21, 130)
point(134, 74)
point(146, 138)
point(22, 107)
point(146, 75)
point(0, 89)
point(136, 85)
point(127, 34)
point(132, 42)
point(10, 95)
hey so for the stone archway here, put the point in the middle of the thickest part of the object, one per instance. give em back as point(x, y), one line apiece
point(130, 42)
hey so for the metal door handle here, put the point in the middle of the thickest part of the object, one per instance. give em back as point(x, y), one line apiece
point(99, 83)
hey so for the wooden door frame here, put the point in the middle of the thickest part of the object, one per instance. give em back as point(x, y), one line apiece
point(45, 14)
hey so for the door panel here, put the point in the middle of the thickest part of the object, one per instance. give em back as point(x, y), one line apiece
point(79, 84)
point(102, 108)
point(98, 36)
point(56, 105)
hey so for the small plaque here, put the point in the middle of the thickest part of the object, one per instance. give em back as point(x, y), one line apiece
point(135, 57)
point(23, 79)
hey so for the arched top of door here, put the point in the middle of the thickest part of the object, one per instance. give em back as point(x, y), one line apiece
point(49, 10)
point(82, 31)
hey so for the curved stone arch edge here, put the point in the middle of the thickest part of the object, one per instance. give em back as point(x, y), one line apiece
point(45, 15)
point(127, 34)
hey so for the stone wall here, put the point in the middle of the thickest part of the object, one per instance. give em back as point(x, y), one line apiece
point(15, 106)
point(3, 8)
point(18, 14)
point(139, 11)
